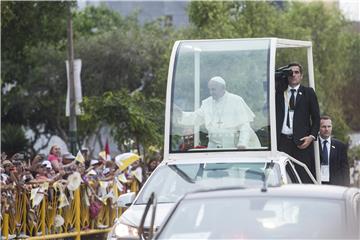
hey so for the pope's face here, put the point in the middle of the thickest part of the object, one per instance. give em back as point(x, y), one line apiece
point(295, 79)
point(217, 90)
point(325, 128)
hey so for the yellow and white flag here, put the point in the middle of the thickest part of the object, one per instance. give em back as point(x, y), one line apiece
point(79, 157)
point(125, 159)
point(138, 174)
point(122, 178)
point(102, 154)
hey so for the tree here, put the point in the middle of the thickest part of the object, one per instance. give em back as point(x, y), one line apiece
point(130, 116)
point(93, 21)
point(238, 19)
point(114, 55)
point(13, 139)
point(350, 92)
point(25, 26)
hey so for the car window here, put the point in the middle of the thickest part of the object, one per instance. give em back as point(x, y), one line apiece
point(253, 217)
point(170, 182)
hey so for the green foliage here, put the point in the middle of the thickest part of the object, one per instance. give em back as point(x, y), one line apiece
point(39, 102)
point(233, 19)
point(350, 92)
point(24, 25)
point(96, 20)
point(13, 139)
point(27, 98)
point(130, 116)
point(354, 154)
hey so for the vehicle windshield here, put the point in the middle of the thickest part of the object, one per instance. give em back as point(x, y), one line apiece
point(220, 96)
point(257, 217)
point(170, 182)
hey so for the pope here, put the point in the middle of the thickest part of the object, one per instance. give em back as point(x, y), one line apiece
point(226, 117)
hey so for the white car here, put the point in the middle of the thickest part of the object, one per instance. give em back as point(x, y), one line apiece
point(170, 181)
point(287, 212)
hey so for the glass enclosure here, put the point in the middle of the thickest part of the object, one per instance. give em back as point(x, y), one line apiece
point(220, 96)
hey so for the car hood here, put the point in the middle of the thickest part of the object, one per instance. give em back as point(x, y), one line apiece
point(132, 216)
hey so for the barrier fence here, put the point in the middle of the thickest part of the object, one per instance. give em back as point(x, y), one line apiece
point(52, 212)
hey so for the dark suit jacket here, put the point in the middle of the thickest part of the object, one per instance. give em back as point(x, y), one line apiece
point(339, 165)
point(306, 114)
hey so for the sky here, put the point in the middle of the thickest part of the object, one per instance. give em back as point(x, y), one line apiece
point(351, 9)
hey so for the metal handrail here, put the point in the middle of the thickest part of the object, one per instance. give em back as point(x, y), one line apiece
point(77, 221)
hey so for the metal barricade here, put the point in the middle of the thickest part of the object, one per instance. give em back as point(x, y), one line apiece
point(24, 220)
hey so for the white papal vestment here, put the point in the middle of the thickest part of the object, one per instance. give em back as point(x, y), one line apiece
point(227, 121)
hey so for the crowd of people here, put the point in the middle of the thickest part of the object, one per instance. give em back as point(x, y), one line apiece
point(17, 170)
point(67, 172)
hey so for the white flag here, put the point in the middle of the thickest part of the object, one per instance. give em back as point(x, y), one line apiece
point(77, 85)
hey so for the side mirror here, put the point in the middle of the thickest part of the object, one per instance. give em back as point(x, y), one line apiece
point(126, 199)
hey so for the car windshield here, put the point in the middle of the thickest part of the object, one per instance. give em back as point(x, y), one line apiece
point(251, 217)
point(220, 96)
point(170, 182)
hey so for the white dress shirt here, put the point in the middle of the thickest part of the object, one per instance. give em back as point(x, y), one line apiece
point(325, 169)
point(287, 94)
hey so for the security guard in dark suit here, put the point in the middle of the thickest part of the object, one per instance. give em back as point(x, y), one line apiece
point(333, 154)
point(297, 120)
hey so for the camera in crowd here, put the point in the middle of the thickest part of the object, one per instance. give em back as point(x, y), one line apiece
point(281, 77)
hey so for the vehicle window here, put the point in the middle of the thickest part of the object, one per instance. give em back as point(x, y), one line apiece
point(260, 218)
point(206, 118)
point(170, 182)
point(290, 173)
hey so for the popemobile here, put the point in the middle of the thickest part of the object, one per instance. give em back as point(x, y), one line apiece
point(220, 124)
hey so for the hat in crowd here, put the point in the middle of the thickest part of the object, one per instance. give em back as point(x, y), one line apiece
point(4, 177)
point(58, 221)
point(68, 156)
point(46, 164)
point(74, 181)
point(27, 178)
point(91, 172)
point(106, 171)
point(94, 162)
point(6, 162)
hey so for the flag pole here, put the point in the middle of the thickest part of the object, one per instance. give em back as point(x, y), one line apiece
point(72, 117)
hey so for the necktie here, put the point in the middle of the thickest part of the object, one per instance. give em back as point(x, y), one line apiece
point(325, 154)
point(291, 106)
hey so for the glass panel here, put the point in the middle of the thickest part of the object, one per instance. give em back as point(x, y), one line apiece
point(170, 182)
point(220, 96)
point(254, 217)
